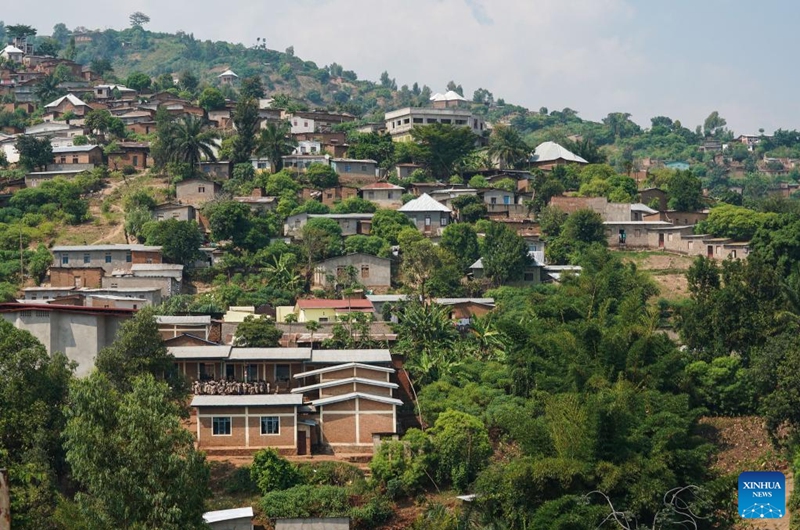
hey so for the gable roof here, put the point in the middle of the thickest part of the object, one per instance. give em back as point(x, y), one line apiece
point(337, 367)
point(319, 303)
point(348, 356)
point(346, 381)
point(353, 395)
point(228, 72)
point(424, 203)
point(75, 100)
point(11, 49)
point(382, 186)
point(551, 151)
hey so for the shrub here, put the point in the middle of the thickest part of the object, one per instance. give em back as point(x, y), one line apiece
point(330, 473)
point(307, 501)
point(271, 472)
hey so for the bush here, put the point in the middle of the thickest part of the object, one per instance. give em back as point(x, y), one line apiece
point(241, 482)
point(128, 169)
point(307, 501)
point(271, 472)
point(330, 474)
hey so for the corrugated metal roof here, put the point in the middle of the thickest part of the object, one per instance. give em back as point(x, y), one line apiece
point(551, 151)
point(156, 267)
point(340, 382)
point(69, 97)
point(319, 303)
point(351, 356)
point(228, 515)
point(249, 400)
point(75, 149)
point(200, 352)
point(344, 366)
point(354, 395)
point(424, 203)
point(184, 319)
point(278, 354)
point(453, 301)
point(84, 248)
point(228, 72)
point(388, 297)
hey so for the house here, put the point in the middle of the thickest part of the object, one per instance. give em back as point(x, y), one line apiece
point(403, 171)
point(35, 178)
point(652, 195)
point(234, 519)
point(349, 167)
point(330, 196)
point(109, 91)
point(261, 163)
point(573, 204)
point(550, 154)
point(449, 99)
point(228, 77)
point(129, 154)
point(304, 122)
point(531, 276)
point(180, 212)
point(296, 400)
point(165, 276)
point(383, 194)
point(313, 523)
point(307, 147)
point(106, 257)
point(79, 332)
point(323, 310)
point(631, 233)
point(428, 215)
point(12, 54)
point(170, 327)
point(400, 122)
point(64, 104)
point(463, 310)
point(78, 155)
point(300, 163)
point(351, 223)
point(146, 295)
point(258, 202)
point(196, 191)
point(220, 170)
point(370, 271)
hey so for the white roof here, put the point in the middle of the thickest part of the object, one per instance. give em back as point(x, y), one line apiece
point(639, 207)
point(453, 301)
point(450, 95)
point(278, 354)
point(184, 319)
point(249, 400)
point(347, 381)
point(424, 203)
point(344, 366)
point(156, 266)
point(351, 356)
point(199, 352)
point(11, 49)
point(228, 515)
point(228, 72)
point(75, 149)
point(388, 297)
point(69, 97)
point(437, 97)
point(354, 395)
point(551, 151)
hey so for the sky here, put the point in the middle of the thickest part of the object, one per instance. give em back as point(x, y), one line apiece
point(677, 58)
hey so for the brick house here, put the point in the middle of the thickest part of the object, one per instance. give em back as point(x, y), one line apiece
point(106, 257)
point(78, 154)
point(196, 191)
point(68, 103)
point(91, 277)
point(132, 154)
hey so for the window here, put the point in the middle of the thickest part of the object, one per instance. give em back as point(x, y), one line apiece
point(428, 221)
point(230, 372)
point(205, 371)
point(417, 120)
point(42, 314)
point(87, 258)
point(347, 168)
point(64, 259)
point(405, 120)
point(365, 271)
point(446, 120)
point(62, 160)
point(270, 425)
point(493, 200)
point(221, 425)
point(323, 320)
point(528, 277)
point(24, 313)
point(201, 189)
point(252, 372)
point(371, 195)
point(74, 159)
point(443, 221)
point(128, 258)
point(281, 372)
point(135, 160)
point(363, 168)
point(506, 199)
point(108, 257)
point(114, 285)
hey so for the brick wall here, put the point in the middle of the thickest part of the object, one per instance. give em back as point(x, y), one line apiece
point(66, 277)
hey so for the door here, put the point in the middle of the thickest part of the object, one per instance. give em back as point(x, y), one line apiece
point(660, 240)
point(710, 251)
point(301, 443)
point(78, 282)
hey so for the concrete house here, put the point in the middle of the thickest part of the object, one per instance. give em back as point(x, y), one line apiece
point(428, 215)
point(350, 167)
point(12, 53)
point(351, 223)
point(370, 271)
point(383, 194)
point(180, 212)
point(220, 170)
point(167, 277)
point(79, 332)
point(400, 122)
point(550, 154)
point(323, 310)
point(106, 257)
point(196, 191)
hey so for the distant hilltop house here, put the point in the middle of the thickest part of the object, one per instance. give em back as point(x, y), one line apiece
point(12, 53)
point(228, 77)
point(550, 154)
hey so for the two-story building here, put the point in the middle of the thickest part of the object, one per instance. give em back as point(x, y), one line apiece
point(370, 271)
point(86, 265)
point(400, 122)
point(350, 223)
point(383, 194)
point(196, 191)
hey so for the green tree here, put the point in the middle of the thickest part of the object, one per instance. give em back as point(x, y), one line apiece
point(387, 224)
point(138, 350)
point(322, 239)
point(275, 143)
point(507, 147)
point(258, 332)
point(188, 81)
point(138, 81)
point(186, 141)
point(372, 146)
point(163, 482)
point(272, 472)
point(34, 153)
point(463, 448)
point(211, 99)
point(251, 87)
point(685, 192)
point(354, 205)
point(441, 146)
point(138, 19)
point(366, 245)
point(33, 397)
point(246, 120)
point(48, 47)
point(505, 254)
point(584, 226)
point(321, 176)
point(714, 124)
point(180, 240)
point(462, 241)
point(101, 66)
point(47, 90)
point(420, 261)
point(470, 208)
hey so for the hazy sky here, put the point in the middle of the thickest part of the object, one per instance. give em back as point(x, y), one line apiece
point(678, 58)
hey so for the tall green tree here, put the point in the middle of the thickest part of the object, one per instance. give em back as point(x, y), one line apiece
point(246, 120)
point(252, 87)
point(275, 143)
point(685, 192)
point(211, 99)
point(507, 147)
point(180, 240)
point(133, 459)
point(34, 153)
point(504, 253)
point(442, 146)
point(461, 240)
point(187, 141)
point(257, 332)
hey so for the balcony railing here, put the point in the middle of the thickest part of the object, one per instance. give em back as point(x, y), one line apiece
point(225, 387)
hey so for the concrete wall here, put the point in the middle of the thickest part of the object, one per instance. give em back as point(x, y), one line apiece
point(437, 221)
point(108, 260)
point(195, 192)
point(168, 286)
point(371, 271)
point(314, 523)
point(243, 523)
point(180, 213)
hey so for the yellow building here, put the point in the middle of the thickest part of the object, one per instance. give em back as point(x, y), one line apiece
point(323, 311)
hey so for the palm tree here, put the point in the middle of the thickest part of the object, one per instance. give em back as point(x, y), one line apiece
point(187, 141)
point(275, 143)
point(507, 147)
point(47, 90)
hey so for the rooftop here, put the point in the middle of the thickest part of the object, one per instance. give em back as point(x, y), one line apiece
point(382, 186)
point(321, 303)
point(75, 149)
point(84, 248)
point(255, 400)
point(279, 354)
point(424, 203)
point(354, 395)
point(227, 515)
point(70, 98)
point(200, 352)
point(351, 356)
point(551, 151)
point(345, 366)
point(201, 320)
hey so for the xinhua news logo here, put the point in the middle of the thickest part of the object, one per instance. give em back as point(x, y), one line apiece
point(762, 495)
